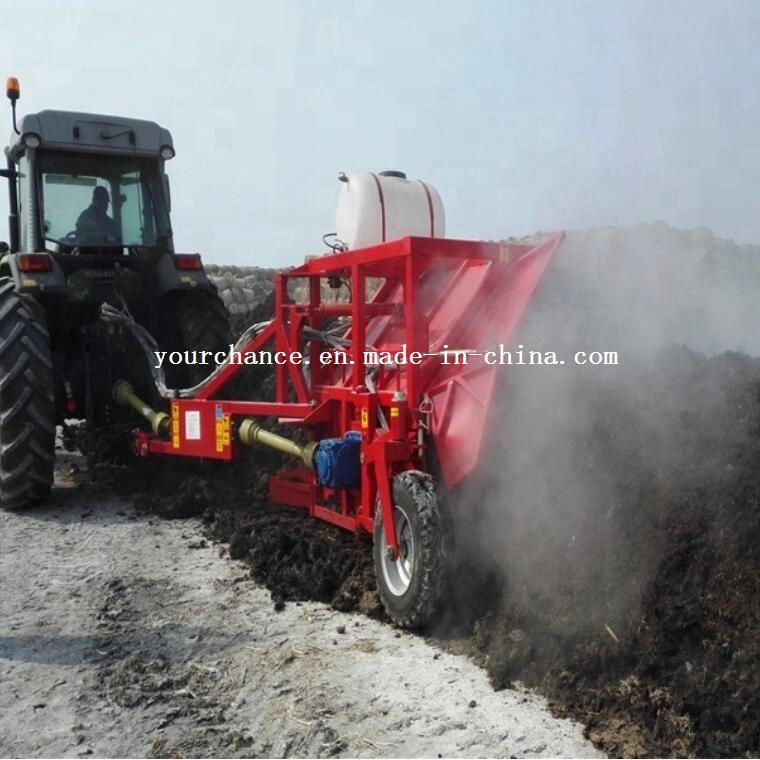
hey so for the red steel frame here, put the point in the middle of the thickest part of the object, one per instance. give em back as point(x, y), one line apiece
point(431, 296)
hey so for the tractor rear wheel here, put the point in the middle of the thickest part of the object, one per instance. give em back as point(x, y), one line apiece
point(193, 321)
point(412, 586)
point(27, 401)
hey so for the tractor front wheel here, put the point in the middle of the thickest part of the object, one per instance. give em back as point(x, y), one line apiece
point(412, 586)
point(27, 401)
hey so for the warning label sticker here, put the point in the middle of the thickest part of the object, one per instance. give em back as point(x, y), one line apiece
point(193, 426)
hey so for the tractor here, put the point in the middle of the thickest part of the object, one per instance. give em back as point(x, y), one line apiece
point(89, 228)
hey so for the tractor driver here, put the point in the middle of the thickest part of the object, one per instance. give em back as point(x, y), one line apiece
point(94, 226)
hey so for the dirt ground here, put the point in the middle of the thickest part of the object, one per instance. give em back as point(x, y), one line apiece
point(127, 635)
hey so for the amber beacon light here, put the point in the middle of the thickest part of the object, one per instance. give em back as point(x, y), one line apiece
point(12, 88)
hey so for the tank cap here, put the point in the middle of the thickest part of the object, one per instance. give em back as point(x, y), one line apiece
point(393, 173)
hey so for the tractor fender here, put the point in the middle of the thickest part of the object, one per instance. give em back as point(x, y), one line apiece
point(168, 278)
point(50, 281)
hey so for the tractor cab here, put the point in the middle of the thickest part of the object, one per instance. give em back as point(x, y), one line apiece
point(84, 184)
point(91, 201)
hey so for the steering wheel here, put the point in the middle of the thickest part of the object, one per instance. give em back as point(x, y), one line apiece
point(68, 243)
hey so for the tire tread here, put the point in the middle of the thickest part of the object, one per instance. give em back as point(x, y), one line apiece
point(433, 548)
point(27, 401)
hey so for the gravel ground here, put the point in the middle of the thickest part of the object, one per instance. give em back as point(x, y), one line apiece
point(125, 635)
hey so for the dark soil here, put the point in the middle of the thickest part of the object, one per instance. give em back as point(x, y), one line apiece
point(638, 609)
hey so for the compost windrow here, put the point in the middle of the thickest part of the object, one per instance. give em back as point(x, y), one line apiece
point(628, 584)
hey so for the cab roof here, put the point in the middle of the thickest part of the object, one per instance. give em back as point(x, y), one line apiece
point(92, 133)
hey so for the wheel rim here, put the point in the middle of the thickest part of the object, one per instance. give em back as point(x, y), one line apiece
point(398, 573)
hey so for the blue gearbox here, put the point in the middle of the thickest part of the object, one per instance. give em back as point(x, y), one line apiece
point(337, 461)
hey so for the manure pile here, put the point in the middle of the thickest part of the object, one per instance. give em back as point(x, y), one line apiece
point(620, 550)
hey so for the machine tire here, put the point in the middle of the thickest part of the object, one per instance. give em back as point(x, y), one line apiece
point(27, 401)
point(193, 321)
point(411, 589)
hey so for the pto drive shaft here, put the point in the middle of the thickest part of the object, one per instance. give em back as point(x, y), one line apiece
point(250, 432)
point(124, 395)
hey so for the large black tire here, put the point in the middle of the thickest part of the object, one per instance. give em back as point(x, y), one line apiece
point(193, 321)
point(412, 587)
point(27, 401)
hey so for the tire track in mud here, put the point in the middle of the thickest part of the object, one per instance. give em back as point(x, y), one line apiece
point(147, 658)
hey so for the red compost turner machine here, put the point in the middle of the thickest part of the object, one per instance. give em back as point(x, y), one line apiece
point(387, 387)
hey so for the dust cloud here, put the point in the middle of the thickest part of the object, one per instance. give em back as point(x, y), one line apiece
point(562, 514)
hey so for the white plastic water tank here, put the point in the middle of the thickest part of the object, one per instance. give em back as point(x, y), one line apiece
point(373, 208)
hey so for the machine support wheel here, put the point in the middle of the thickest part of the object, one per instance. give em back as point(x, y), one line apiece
point(193, 321)
point(412, 586)
point(27, 401)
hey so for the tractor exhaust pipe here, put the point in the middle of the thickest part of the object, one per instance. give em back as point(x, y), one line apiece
point(250, 432)
point(124, 395)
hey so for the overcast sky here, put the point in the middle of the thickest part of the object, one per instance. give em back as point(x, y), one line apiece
point(525, 115)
